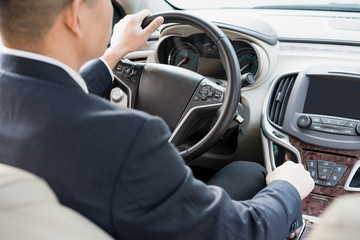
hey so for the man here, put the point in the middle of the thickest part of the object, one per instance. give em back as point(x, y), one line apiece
point(114, 165)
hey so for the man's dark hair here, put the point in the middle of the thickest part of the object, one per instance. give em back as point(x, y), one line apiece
point(29, 20)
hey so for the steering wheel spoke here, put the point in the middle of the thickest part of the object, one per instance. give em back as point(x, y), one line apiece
point(205, 101)
point(127, 77)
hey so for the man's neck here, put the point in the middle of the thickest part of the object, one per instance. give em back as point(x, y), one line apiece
point(43, 58)
point(51, 47)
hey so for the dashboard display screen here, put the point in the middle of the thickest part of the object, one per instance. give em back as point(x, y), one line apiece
point(333, 98)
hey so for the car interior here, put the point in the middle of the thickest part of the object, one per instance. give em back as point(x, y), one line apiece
point(294, 97)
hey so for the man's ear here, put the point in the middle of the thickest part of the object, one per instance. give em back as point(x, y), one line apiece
point(72, 17)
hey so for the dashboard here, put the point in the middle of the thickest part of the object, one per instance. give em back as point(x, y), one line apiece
point(269, 48)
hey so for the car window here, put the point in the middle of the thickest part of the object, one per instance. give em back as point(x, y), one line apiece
point(338, 5)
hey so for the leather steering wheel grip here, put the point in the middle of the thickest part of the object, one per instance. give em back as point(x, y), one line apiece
point(233, 90)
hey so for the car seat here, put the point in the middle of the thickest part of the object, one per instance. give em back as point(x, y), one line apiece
point(29, 209)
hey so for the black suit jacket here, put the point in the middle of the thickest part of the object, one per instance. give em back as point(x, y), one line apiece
point(115, 165)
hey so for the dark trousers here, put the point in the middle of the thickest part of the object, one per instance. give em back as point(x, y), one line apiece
point(241, 180)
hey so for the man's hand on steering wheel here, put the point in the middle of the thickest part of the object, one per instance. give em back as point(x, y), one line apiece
point(128, 36)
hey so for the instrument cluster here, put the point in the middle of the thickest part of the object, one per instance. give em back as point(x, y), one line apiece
point(200, 54)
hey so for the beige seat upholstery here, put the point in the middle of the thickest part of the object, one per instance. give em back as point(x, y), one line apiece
point(340, 221)
point(30, 210)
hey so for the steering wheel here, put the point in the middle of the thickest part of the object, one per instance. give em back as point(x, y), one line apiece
point(180, 96)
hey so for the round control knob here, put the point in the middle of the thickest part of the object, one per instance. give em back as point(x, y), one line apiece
point(247, 79)
point(117, 95)
point(358, 129)
point(304, 121)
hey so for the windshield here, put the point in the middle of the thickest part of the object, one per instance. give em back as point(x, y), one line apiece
point(327, 5)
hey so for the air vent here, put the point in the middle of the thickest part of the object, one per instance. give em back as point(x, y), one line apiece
point(280, 98)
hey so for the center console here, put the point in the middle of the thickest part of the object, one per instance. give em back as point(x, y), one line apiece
point(311, 118)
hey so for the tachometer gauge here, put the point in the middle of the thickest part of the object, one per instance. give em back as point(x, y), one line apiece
point(248, 61)
point(184, 56)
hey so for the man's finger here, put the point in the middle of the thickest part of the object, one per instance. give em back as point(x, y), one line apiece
point(143, 14)
point(155, 24)
point(294, 234)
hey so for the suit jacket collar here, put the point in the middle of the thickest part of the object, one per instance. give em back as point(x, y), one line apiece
point(40, 67)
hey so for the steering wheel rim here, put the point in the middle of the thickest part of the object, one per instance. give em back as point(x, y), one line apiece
point(229, 59)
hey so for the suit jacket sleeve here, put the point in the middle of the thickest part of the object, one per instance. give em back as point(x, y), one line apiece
point(97, 77)
point(157, 197)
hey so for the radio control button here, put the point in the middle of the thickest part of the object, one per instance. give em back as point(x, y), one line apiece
point(348, 131)
point(351, 124)
point(331, 130)
point(316, 127)
point(326, 120)
point(340, 122)
point(316, 120)
point(335, 122)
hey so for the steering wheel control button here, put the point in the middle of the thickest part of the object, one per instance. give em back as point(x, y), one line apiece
point(203, 83)
point(196, 98)
point(325, 173)
point(206, 92)
point(304, 121)
point(128, 72)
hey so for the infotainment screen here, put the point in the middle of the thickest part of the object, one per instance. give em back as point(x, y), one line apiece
point(333, 98)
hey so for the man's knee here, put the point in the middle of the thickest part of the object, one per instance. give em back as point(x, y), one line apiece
point(245, 168)
point(240, 179)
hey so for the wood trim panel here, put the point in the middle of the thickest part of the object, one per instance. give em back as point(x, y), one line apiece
point(321, 196)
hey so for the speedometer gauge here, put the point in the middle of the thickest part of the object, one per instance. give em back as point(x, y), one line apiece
point(248, 61)
point(184, 56)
